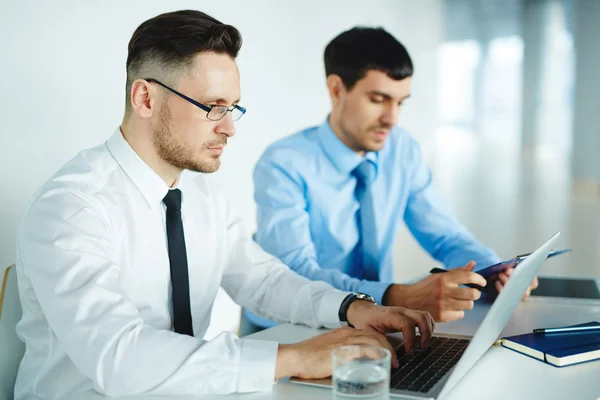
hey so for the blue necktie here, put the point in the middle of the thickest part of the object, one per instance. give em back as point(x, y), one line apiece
point(367, 243)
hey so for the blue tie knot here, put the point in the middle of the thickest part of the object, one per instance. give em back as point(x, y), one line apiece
point(365, 172)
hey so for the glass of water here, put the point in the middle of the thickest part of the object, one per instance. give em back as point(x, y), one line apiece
point(361, 371)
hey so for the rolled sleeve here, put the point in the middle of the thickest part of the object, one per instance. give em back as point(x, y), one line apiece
point(257, 366)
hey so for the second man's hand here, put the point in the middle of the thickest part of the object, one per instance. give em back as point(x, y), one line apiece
point(439, 294)
point(500, 279)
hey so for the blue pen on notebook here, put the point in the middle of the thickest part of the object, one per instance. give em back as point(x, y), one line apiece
point(567, 329)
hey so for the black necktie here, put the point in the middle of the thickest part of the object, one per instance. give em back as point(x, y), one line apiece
point(182, 314)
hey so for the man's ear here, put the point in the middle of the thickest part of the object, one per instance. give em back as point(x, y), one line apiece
point(336, 88)
point(142, 98)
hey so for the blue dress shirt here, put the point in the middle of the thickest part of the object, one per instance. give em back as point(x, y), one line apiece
point(307, 210)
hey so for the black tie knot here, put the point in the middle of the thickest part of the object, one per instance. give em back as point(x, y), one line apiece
point(173, 199)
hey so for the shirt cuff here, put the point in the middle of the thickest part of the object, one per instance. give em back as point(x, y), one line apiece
point(329, 315)
point(257, 366)
point(374, 289)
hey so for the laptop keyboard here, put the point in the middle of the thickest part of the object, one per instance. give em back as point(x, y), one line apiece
point(421, 371)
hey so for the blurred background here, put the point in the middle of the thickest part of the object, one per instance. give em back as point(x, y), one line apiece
point(505, 100)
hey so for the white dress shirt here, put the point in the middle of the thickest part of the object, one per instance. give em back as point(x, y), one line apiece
point(94, 282)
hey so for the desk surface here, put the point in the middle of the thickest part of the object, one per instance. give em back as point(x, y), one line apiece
point(499, 374)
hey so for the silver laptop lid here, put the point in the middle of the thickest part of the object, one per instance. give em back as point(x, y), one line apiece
point(499, 313)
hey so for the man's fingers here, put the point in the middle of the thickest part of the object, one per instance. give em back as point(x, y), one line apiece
point(372, 352)
point(408, 332)
point(448, 316)
point(499, 286)
point(534, 285)
point(502, 278)
point(377, 339)
point(531, 287)
point(458, 305)
point(431, 321)
point(470, 266)
point(369, 337)
point(460, 293)
point(425, 323)
point(383, 342)
point(462, 277)
point(400, 323)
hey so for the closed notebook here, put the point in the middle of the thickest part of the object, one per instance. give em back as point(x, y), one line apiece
point(558, 349)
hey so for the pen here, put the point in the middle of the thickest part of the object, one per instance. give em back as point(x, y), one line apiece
point(471, 285)
point(568, 329)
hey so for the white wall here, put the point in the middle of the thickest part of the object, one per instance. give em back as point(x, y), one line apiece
point(586, 133)
point(63, 74)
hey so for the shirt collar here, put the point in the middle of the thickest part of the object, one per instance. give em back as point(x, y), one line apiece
point(149, 183)
point(341, 156)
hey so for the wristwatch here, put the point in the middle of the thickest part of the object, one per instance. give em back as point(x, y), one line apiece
point(351, 298)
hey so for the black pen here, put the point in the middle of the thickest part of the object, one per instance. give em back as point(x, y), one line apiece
point(471, 285)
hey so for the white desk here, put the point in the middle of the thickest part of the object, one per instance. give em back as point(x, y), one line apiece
point(500, 374)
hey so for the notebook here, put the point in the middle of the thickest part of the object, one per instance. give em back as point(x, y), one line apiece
point(558, 349)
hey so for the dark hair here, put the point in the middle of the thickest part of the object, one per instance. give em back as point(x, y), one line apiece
point(352, 53)
point(170, 41)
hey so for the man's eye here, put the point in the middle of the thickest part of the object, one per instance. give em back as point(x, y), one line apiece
point(377, 100)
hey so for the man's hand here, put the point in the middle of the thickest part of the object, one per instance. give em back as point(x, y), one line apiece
point(368, 316)
point(439, 294)
point(502, 277)
point(311, 359)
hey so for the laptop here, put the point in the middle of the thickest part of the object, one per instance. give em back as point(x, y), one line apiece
point(432, 373)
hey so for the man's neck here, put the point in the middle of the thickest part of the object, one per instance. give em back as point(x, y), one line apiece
point(142, 144)
point(336, 127)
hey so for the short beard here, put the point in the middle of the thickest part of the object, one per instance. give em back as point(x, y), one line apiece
point(354, 140)
point(176, 154)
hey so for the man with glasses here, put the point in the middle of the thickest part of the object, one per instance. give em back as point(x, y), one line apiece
point(121, 253)
point(331, 198)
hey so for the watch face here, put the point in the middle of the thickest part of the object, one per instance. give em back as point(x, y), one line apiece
point(346, 304)
point(364, 296)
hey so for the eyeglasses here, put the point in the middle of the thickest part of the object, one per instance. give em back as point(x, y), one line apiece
point(213, 113)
